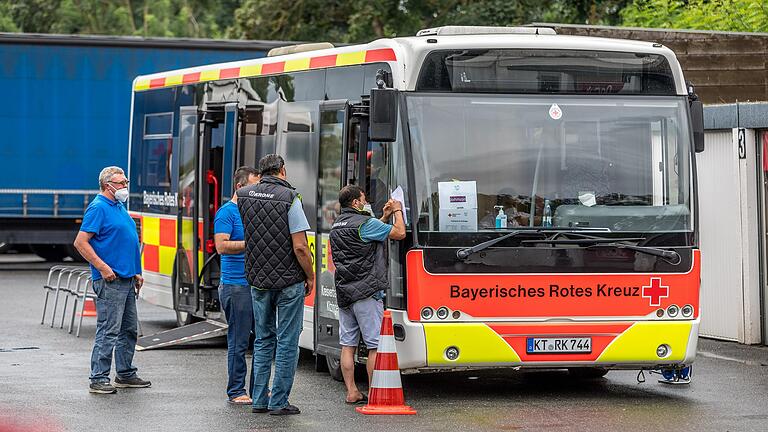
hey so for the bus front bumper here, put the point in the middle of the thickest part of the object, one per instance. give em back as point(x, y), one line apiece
point(615, 345)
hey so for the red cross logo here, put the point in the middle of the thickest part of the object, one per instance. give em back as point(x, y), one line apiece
point(655, 291)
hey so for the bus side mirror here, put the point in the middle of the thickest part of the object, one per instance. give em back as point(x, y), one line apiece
point(697, 125)
point(383, 120)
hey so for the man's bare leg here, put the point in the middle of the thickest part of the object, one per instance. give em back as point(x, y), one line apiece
point(370, 364)
point(348, 372)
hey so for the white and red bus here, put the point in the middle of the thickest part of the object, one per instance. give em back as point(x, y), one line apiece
point(549, 184)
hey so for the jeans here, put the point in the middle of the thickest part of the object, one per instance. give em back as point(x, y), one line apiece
point(238, 308)
point(278, 317)
point(116, 329)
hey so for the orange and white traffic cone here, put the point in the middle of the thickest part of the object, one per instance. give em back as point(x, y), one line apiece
point(386, 393)
point(89, 310)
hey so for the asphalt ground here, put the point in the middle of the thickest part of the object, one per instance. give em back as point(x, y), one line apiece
point(44, 386)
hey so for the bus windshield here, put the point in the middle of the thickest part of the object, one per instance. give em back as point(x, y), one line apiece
point(619, 164)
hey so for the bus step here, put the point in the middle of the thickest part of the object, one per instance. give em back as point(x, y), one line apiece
point(193, 332)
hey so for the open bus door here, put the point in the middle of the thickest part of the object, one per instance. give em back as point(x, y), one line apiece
point(334, 120)
point(346, 157)
point(186, 264)
point(205, 153)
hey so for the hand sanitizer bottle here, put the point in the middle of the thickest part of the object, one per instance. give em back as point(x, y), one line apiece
point(501, 218)
point(546, 220)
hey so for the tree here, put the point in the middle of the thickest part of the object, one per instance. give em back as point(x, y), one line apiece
point(723, 15)
point(169, 18)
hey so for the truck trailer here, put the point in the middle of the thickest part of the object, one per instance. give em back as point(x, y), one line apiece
point(66, 116)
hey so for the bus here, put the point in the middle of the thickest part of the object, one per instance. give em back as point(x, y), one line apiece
point(549, 183)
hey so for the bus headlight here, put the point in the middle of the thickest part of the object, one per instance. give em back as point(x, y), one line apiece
point(427, 313)
point(442, 312)
point(672, 311)
point(687, 311)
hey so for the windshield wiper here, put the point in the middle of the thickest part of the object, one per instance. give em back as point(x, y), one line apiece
point(669, 256)
point(465, 252)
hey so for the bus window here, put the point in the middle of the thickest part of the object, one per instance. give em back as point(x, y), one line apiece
point(344, 83)
point(329, 181)
point(296, 143)
point(257, 134)
point(377, 176)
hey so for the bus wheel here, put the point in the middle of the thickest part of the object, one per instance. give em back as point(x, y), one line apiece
point(587, 372)
point(334, 367)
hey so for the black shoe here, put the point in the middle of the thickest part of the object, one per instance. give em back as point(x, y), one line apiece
point(102, 388)
point(259, 410)
point(134, 382)
point(286, 410)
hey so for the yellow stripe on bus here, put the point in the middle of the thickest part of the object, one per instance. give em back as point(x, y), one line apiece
point(150, 230)
point(478, 344)
point(639, 342)
point(351, 58)
point(166, 256)
point(248, 71)
point(296, 65)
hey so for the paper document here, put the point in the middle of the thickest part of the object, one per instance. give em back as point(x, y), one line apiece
point(458, 220)
point(399, 195)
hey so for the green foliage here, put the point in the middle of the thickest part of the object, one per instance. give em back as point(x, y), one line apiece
point(723, 15)
point(169, 18)
point(359, 20)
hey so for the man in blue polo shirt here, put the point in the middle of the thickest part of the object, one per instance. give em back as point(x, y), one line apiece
point(234, 291)
point(109, 242)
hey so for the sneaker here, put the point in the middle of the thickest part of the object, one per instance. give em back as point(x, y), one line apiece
point(134, 382)
point(102, 388)
point(684, 375)
point(286, 410)
point(668, 376)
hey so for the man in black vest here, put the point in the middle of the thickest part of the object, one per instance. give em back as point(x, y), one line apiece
point(357, 247)
point(279, 269)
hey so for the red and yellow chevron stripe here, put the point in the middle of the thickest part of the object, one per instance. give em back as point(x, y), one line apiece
point(272, 68)
point(158, 235)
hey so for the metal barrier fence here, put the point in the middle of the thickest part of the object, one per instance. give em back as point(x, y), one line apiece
point(69, 281)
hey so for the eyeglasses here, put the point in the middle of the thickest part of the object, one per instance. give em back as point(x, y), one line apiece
point(123, 183)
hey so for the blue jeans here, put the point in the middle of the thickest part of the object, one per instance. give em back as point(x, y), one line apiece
point(278, 317)
point(116, 329)
point(238, 308)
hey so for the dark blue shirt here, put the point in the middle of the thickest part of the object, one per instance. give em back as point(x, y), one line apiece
point(232, 265)
point(115, 239)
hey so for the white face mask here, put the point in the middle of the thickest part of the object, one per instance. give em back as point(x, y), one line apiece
point(121, 194)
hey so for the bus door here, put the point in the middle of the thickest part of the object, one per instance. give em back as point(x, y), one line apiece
point(297, 142)
point(333, 155)
point(187, 263)
point(218, 133)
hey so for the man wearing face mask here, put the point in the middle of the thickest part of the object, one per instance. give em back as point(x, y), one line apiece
point(109, 242)
point(357, 249)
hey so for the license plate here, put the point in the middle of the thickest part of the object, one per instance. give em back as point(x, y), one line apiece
point(559, 345)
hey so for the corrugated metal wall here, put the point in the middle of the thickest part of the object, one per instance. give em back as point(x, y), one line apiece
point(722, 295)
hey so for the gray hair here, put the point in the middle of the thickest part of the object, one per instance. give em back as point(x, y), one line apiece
point(271, 164)
point(107, 173)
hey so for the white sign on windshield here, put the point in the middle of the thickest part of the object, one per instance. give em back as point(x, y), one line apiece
point(457, 194)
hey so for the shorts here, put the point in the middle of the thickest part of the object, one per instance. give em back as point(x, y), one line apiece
point(362, 317)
